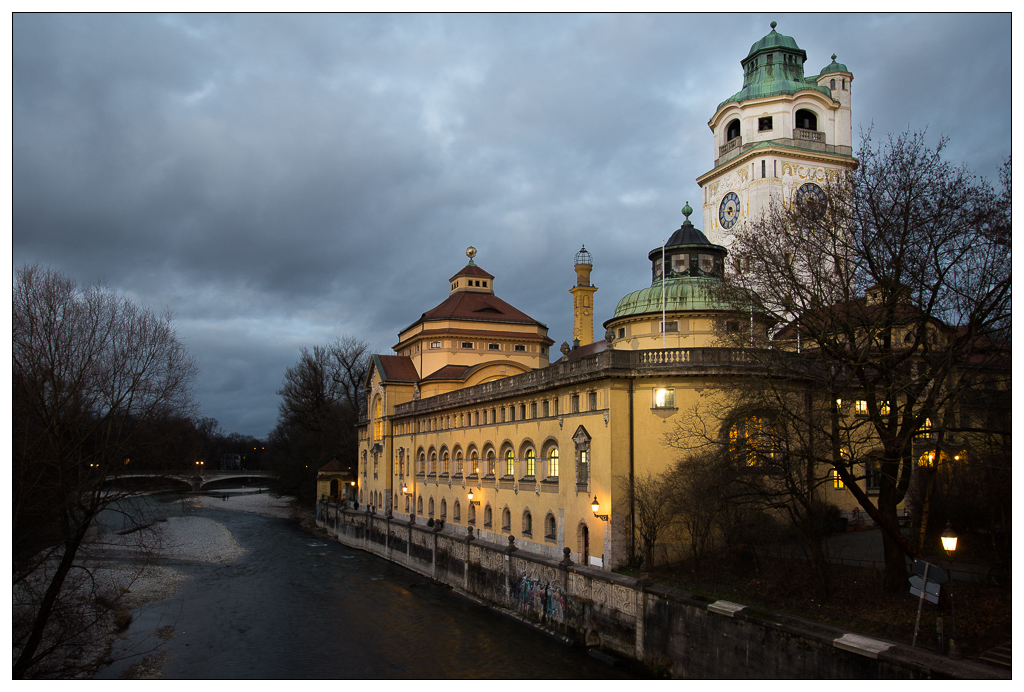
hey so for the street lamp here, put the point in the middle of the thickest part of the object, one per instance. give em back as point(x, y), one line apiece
point(595, 505)
point(471, 500)
point(949, 540)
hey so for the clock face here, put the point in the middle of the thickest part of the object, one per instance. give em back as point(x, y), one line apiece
point(809, 192)
point(729, 210)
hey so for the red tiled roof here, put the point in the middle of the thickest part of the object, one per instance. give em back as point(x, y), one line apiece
point(448, 372)
point(472, 270)
point(477, 306)
point(396, 368)
point(332, 466)
point(583, 351)
point(483, 333)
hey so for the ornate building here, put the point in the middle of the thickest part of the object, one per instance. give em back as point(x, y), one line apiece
point(468, 423)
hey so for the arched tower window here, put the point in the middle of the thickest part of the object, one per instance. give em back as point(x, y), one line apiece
point(733, 131)
point(806, 120)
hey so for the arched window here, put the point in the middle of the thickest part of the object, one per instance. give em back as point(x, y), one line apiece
point(510, 463)
point(733, 131)
point(458, 463)
point(457, 512)
point(378, 424)
point(550, 526)
point(832, 84)
point(419, 505)
point(506, 519)
point(531, 462)
point(444, 509)
point(474, 464)
point(553, 462)
point(806, 120)
point(752, 441)
point(490, 463)
point(444, 463)
point(421, 464)
point(471, 515)
point(430, 508)
point(406, 504)
point(527, 523)
point(433, 463)
point(487, 516)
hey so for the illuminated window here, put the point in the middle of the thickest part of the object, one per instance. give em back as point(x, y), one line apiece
point(421, 465)
point(531, 462)
point(926, 428)
point(378, 424)
point(883, 408)
point(837, 482)
point(860, 407)
point(459, 463)
point(490, 463)
point(474, 464)
point(435, 344)
point(664, 398)
point(839, 405)
point(444, 464)
point(751, 440)
point(553, 462)
point(583, 473)
point(510, 463)
point(927, 460)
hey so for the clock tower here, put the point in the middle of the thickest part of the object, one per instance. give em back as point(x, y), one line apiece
point(782, 138)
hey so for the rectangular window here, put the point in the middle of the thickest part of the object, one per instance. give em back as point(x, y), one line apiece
point(672, 326)
point(493, 347)
point(622, 332)
point(592, 401)
point(873, 474)
point(883, 408)
point(435, 344)
point(574, 403)
point(511, 413)
point(732, 327)
point(680, 263)
point(839, 405)
point(476, 418)
point(520, 347)
point(467, 344)
point(546, 408)
point(584, 472)
point(533, 409)
point(860, 407)
point(664, 398)
point(764, 124)
point(502, 416)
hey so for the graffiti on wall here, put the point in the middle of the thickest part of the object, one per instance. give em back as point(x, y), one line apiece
point(547, 602)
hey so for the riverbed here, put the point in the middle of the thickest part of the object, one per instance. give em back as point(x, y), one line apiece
point(242, 591)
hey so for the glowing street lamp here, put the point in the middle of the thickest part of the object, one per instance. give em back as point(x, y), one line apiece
point(595, 505)
point(949, 540)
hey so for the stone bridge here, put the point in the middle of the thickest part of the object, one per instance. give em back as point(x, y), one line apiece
point(196, 481)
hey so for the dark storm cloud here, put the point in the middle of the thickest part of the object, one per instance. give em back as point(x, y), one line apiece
point(281, 180)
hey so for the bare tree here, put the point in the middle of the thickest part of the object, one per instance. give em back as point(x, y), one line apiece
point(654, 506)
point(700, 483)
point(322, 399)
point(91, 369)
point(893, 291)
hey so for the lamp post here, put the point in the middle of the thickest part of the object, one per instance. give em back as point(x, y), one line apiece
point(949, 540)
point(471, 500)
point(596, 506)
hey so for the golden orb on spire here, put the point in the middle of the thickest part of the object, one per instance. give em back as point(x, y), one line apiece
point(471, 252)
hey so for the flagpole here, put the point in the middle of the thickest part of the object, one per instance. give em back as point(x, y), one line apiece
point(664, 273)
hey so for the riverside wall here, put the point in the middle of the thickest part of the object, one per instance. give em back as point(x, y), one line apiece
point(671, 632)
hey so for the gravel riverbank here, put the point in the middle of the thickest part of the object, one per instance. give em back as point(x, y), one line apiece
point(131, 564)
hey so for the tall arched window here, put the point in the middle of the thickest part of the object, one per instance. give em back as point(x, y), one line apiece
point(458, 463)
point(806, 120)
point(553, 462)
point(471, 515)
point(487, 516)
point(444, 463)
point(506, 519)
point(531, 462)
point(378, 424)
point(490, 463)
point(430, 508)
point(419, 505)
point(421, 464)
point(527, 523)
point(550, 526)
point(457, 512)
point(444, 509)
point(474, 464)
point(510, 463)
point(733, 131)
point(433, 463)
point(751, 440)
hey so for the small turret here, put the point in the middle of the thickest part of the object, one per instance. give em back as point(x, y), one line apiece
point(583, 300)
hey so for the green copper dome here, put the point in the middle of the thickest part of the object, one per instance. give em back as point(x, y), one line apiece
point(689, 294)
point(834, 67)
point(774, 65)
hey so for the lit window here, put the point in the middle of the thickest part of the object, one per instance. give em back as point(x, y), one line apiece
point(883, 408)
point(490, 463)
point(583, 474)
point(510, 463)
point(837, 482)
point(926, 428)
point(860, 407)
point(458, 463)
point(433, 463)
point(474, 464)
point(531, 462)
point(927, 460)
point(664, 398)
point(839, 405)
point(553, 462)
point(435, 344)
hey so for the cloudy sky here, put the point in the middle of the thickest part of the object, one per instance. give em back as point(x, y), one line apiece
point(279, 181)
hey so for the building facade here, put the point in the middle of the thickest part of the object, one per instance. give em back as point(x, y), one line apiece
point(471, 423)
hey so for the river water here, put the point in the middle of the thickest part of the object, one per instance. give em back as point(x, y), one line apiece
point(297, 606)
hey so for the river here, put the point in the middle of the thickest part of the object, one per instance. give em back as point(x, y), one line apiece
point(296, 606)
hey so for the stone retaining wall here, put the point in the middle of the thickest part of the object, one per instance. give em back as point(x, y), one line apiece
point(669, 631)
